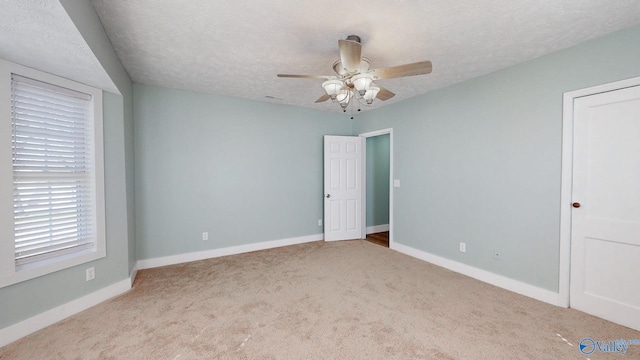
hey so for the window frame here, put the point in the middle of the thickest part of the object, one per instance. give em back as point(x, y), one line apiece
point(9, 272)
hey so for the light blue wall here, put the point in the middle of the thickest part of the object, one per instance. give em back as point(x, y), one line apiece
point(88, 23)
point(243, 171)
point(479, 162)
point(29, 298)
point(26, 299)
point(378, 180)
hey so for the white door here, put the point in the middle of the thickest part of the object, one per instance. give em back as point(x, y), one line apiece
point(605, 232)
point(342, 187)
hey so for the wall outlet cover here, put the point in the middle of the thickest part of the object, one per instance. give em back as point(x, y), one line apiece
point(90, 273)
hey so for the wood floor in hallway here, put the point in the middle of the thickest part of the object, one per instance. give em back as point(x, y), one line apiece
point(381, 238)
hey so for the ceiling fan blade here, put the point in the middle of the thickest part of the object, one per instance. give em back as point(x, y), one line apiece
point(384, 94)
point(328, 77)
point(323, 98)
point(350, 54)
point(418, 68)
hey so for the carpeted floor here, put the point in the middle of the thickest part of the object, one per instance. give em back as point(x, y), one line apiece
point(342, 300)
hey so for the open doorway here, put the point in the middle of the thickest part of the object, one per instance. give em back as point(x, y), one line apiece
point(378, 167)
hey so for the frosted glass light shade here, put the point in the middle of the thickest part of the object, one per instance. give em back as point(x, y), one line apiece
point(371, 94)
point(362, 82)
point(333, 88)
point(343, 95)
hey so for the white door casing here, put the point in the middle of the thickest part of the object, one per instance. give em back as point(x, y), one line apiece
point(365, 136)
point(605, 219)
point(342, 187)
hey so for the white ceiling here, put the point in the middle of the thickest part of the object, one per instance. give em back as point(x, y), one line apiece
point(39, 34)
point(236, 48)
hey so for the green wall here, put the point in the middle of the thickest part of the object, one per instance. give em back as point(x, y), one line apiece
point(243, 171)
point(29, 298)
point(88, 24)
point(479, 162)
point(378, 180)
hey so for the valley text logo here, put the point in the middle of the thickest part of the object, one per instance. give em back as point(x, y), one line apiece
point(588, 346)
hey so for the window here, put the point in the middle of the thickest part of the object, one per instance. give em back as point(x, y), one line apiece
point(56, 174)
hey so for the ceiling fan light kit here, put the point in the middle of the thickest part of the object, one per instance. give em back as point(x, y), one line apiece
point(354, 79)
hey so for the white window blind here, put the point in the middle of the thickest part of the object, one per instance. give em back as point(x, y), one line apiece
point(53, 170)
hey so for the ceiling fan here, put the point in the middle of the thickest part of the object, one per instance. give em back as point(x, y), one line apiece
point(354, 79)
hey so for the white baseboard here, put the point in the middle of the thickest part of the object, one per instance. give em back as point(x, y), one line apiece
point(133, 274)
point(377, 228)
point(233, 250)
point(50, 317)
point(482, 275)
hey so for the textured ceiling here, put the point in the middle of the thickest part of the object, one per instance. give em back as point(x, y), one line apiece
point(39, 34)
point(236, 48)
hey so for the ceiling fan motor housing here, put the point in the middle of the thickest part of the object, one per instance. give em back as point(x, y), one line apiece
point(355, 38)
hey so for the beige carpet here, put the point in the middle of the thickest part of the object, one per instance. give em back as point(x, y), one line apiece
point(344, 300)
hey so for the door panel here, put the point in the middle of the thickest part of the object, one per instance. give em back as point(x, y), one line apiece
point(603, 258)
point(352, 215)
point(605, 233)
point(342, 187)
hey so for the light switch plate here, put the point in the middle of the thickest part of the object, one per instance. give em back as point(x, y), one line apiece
point(396, 183)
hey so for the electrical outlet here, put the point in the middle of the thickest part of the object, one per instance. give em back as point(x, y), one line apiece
point(463, 247)
point(319, 222)
point(90, 273)
point(497, 254)
point(205, 236)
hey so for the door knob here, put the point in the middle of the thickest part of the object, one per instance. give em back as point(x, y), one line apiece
point(576, 205)
point(328, 196)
